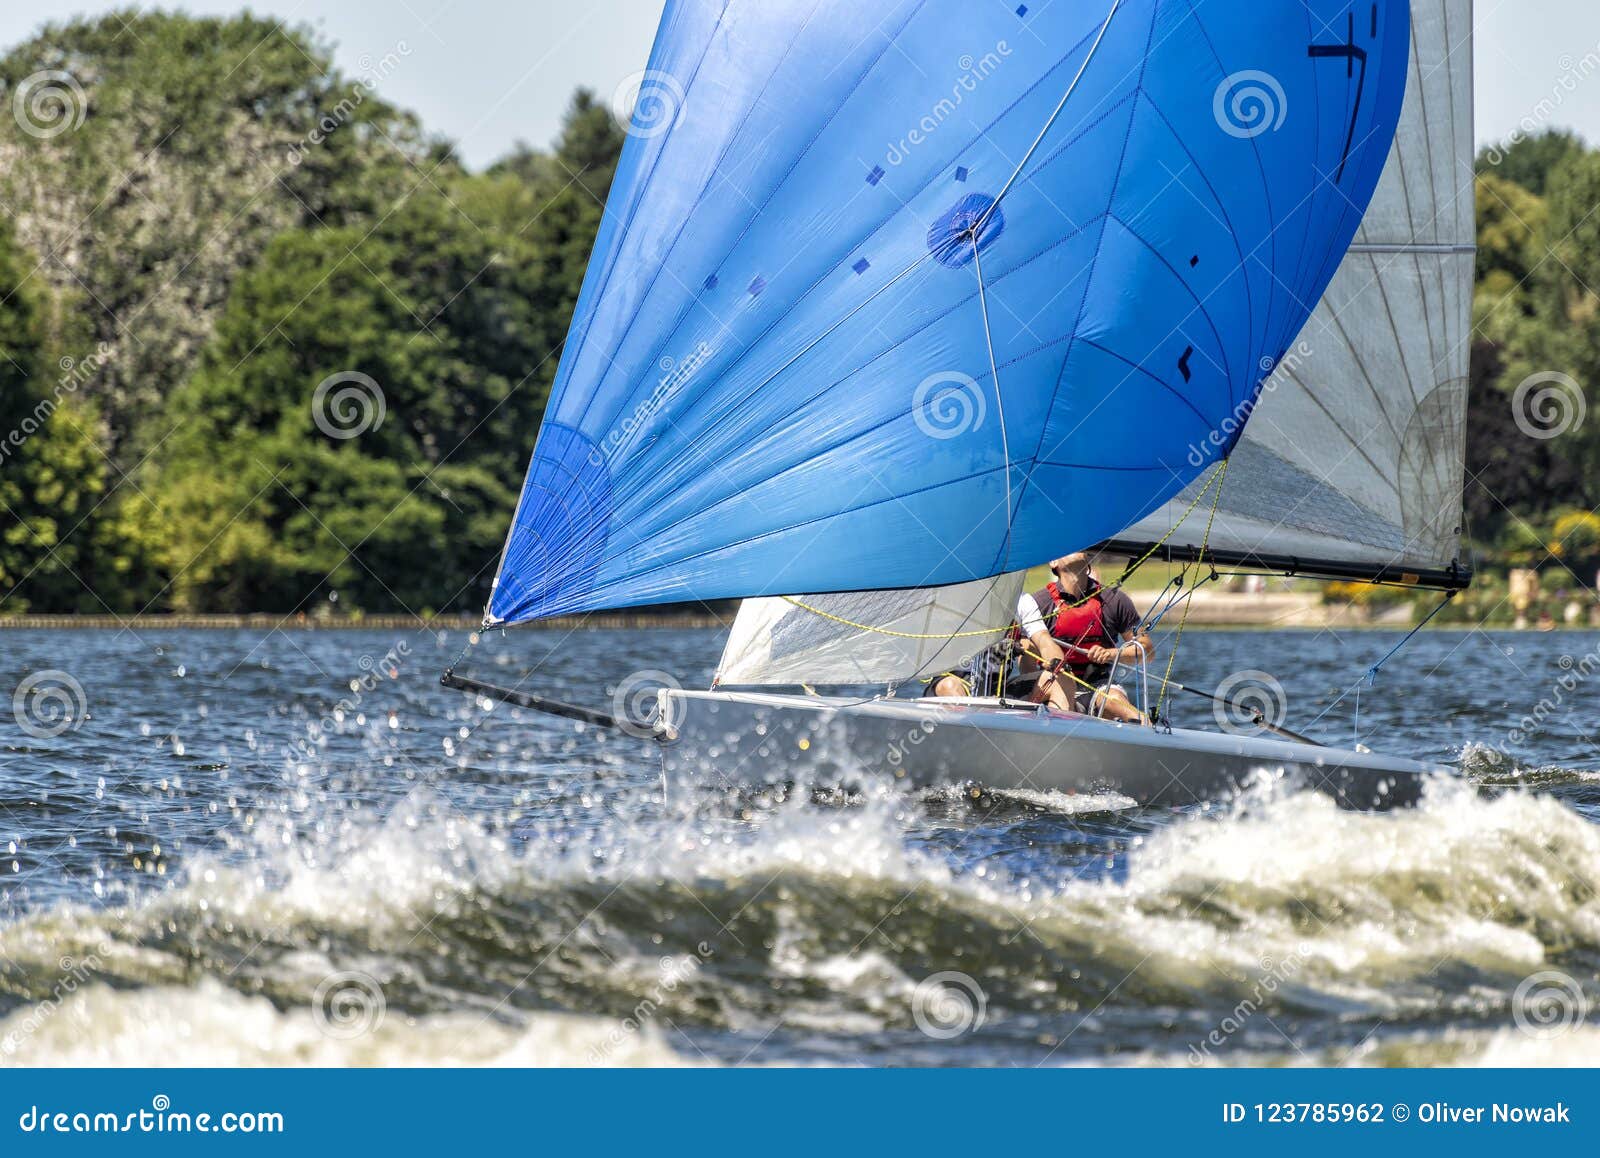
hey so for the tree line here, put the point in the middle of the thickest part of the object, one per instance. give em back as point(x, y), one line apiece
point(205, 220)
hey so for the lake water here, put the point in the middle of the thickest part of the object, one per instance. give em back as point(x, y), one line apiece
point(296, 848)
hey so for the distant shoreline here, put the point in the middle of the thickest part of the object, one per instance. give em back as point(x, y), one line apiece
point(617, 620)
point(601, 621)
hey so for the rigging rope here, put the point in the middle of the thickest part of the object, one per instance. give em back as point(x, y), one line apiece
point(1372, 672)
point(1177, 641)
point(999, 398)
point(1369, 677)
point(977, 230)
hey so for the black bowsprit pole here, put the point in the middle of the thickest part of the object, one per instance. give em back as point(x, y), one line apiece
point(525, 700)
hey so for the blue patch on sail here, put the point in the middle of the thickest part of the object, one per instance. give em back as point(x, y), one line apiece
point(950, 238)
point(563, 526)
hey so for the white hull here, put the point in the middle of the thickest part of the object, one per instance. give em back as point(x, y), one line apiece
point(738, 737)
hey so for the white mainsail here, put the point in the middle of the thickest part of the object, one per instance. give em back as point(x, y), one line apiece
point(1352, 459)
point(1354, 455)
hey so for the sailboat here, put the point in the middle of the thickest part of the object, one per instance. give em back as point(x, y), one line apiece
point(895, 300)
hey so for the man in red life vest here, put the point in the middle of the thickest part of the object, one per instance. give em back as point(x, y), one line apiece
point(1087, 630)
point(1076, 633)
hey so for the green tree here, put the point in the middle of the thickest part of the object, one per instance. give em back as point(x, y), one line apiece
point(1530, 160)
point(53, 471)
point(391, 489)
point(451, 308)
point(1533, 429)
point(156, 156)
point(20, 345)
point(1511, 224)
point(571, 184)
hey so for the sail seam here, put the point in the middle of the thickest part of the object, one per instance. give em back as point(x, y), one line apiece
point(1094, 49)
point(871, 236)
point(772, 192)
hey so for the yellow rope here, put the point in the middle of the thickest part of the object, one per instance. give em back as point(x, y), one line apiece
point(1177, 640)
point(1043, 668)
point(1216, 478)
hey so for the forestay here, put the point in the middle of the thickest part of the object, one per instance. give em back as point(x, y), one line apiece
point(907, 293)
point(1352, 463)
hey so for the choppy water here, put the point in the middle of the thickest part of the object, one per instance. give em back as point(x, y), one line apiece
point(297, 848)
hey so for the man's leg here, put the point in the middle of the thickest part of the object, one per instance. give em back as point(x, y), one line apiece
point(951, 685)
point(1052, 690)
point(1113, 704)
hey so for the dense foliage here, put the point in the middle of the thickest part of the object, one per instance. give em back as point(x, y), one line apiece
point(205, 224)
point(266, 345)
point(1533, 447)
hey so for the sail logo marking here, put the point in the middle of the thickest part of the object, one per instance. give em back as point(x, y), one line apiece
point(1352, 54)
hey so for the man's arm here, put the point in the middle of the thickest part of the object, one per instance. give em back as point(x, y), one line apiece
point(1136, 645)
point(1043, 648)
point(1134, 648)
point(1046, 648)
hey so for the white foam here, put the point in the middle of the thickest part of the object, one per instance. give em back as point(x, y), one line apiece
point(209, 1025)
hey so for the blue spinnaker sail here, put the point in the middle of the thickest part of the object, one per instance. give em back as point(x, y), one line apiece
point(900, 293)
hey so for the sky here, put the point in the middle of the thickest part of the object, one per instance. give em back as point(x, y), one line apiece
point(488, 73)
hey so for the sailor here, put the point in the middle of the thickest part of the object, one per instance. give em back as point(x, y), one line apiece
point(1068, 640)
point(1077, 634)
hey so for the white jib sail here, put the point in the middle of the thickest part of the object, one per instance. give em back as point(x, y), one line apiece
point(1355, 452)
point(869, 637)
